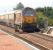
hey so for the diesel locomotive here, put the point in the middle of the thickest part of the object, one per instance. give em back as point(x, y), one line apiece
point(29, 20)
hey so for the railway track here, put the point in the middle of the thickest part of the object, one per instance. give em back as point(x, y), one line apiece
point(38, 40)
point(42, 40)
point(43, 36)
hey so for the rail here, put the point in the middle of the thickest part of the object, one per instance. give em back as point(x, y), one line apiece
point(43, 36)
point(47, 41)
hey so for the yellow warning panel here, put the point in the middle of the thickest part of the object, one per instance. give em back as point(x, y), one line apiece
point(29, 19)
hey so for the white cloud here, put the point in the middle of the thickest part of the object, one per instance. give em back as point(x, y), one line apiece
point(37, 3)
point(9, 4)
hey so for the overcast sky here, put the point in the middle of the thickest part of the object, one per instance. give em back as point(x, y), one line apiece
point(7, 5)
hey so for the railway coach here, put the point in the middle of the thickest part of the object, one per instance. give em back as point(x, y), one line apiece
point(7, 19)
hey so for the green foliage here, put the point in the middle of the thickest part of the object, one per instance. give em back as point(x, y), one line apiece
point(45, 13)
point(19, 6)
point(42, 20)
point(48, 11)
point(50, 21)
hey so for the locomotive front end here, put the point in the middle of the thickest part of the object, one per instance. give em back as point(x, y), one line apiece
point(28, 20)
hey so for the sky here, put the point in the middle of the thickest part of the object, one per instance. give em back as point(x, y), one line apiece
point(7, 5)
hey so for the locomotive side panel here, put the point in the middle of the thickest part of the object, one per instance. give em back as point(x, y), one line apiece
point(11, 20)
point(18, 20)
point(1, 18)
point(3, 21)
point(6, 19)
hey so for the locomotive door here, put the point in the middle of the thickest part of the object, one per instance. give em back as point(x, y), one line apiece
point(18, 21)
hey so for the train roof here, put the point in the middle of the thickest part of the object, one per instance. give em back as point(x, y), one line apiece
point(28, 9)
point(15, 11)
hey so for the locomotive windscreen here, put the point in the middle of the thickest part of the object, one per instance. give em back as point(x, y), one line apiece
point(28, 12)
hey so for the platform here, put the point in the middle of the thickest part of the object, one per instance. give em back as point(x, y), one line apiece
point(8, 42)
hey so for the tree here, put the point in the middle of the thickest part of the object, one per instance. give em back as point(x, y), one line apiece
point(42, 19)
point(49, 12)
point(19, 6)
